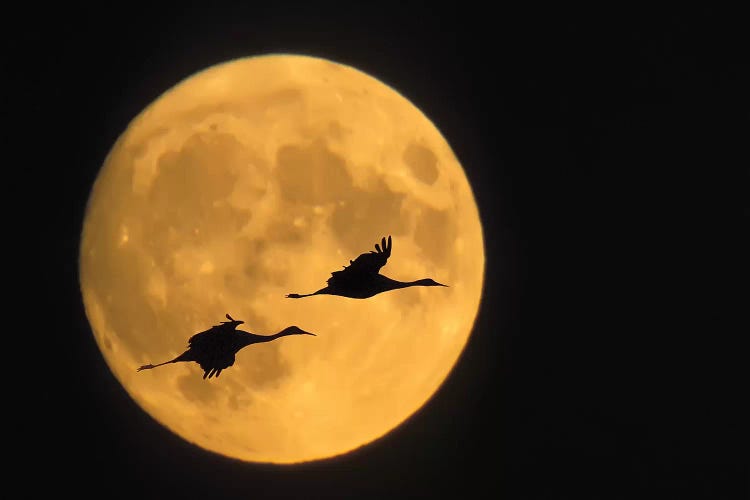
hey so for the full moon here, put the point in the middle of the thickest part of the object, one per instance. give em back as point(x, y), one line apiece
point(256, 178)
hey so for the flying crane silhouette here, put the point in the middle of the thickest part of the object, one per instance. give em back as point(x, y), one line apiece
point(214, 349)
point(362, 279)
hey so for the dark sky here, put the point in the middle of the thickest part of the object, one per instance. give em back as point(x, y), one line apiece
point(608, 153)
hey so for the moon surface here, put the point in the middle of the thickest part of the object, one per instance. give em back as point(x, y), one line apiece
point(256, 178)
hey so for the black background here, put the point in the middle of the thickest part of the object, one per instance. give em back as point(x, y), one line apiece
point(607, 150)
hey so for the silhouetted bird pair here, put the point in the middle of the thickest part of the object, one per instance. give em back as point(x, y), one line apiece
point(215, 348)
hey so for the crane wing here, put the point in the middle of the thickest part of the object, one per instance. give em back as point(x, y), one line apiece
point(213, 335)
point(211, 348)
point(366, 265)
point(214, 365)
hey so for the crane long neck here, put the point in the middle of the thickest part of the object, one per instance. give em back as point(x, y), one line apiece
point(394, 284)
point(251, 338)
point(269, 338)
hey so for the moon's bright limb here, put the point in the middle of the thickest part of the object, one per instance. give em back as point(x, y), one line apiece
point(256, 178)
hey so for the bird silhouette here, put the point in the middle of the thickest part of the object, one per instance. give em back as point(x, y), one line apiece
point(362, 279)
point(214, 349)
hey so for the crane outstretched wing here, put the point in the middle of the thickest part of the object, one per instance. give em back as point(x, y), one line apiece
point(212, 348)
point(213, 336)
point(365, 265)
point(214, 366)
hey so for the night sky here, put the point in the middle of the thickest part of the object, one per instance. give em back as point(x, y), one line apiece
point(608, 154)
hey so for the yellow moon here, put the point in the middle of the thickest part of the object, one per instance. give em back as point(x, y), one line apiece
point(256, 178)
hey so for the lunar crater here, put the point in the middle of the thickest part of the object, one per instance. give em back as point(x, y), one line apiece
point(422, 162)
